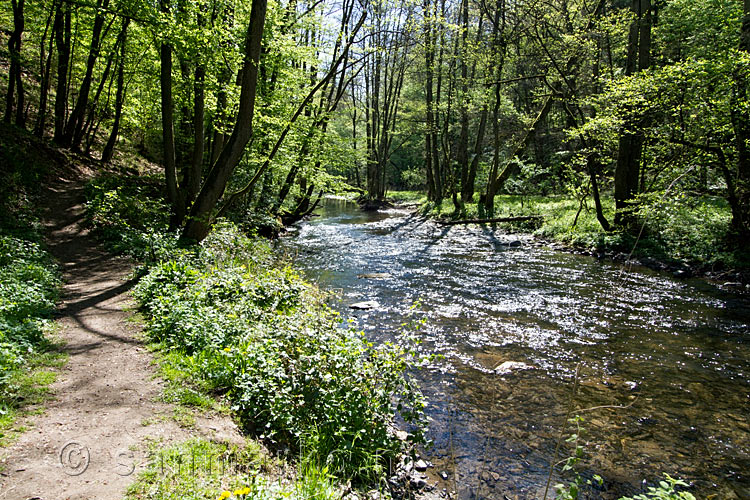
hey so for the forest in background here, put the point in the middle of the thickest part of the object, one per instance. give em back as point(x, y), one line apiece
point(635, 113)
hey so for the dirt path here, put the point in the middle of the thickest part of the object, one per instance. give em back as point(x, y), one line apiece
point(106, 399)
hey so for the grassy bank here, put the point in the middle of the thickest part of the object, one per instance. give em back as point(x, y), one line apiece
point(678, 233)
point(29, 285)
point(202, 469)
point(234, 323)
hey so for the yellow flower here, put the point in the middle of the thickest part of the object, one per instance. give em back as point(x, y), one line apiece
point(227, 349)
point(238, 492)
point(224, 495)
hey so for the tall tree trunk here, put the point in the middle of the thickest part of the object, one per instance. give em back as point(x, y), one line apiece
point(167, 128)
point(15, 83)
point(498, 51)
point(199, 223)
point(74, 128)
point(630, 146)
point(477, 153)
point(62, 41)
point(194, 174)
point(740, 118)
point(438, 168)
point(463, 138)
point(429, 52)
point(120, 97)
point(46, 61)
point(91, 116)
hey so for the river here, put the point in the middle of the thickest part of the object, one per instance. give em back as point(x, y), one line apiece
point(666, 360)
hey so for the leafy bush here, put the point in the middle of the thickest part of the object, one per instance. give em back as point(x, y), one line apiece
point(666, 490)
point(128, 214)
point(288, 365)
point(28, 289)
point(689, 229)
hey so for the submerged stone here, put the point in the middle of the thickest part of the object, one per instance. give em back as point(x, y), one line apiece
point(374, 276)
point(511, 366)
point(364, 306)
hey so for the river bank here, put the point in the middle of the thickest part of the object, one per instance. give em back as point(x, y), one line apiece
point(685, 243)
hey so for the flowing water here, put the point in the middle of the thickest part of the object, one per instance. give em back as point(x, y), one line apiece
point(667, 361)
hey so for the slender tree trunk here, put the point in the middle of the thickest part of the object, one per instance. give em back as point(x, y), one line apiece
point(498, 50)
point(120, 97)
point(62, 41)
point(167, 128)
point(91, 116)
point(463, 139)
point(354, 137)
point(15, 83)
point(438, 171)
point(740, 118)
point(195, 173)
point(630, 147)
point(429, 52)
point(474, 166)
point(74, 128)
point(41, 116)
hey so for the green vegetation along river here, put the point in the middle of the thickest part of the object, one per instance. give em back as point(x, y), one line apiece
point(668, 359)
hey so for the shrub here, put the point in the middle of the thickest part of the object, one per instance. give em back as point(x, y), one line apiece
point(28, 290)
point(289, 366)
point(129, 216)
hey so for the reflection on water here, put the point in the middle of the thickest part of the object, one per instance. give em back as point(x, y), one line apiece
point(671, 356)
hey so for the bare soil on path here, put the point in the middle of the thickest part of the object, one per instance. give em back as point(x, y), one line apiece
point(92, 438)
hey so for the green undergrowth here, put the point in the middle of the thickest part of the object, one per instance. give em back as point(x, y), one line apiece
point(682, 231)
point(205, 470)
point(231, 321)
point(406, 197)
point(29, 285)
point(128, 215)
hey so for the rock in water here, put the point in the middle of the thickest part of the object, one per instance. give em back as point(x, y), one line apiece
point(364, 306)
point(374, 276)
point(510, 366)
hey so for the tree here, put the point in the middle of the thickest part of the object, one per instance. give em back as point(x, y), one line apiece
point(109, 148)
point(384, 78)
point(740, 118)
point(199, 222)
point(15, 83)
point(631, 141)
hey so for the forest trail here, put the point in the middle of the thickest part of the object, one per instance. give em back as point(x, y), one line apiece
point(106, 401)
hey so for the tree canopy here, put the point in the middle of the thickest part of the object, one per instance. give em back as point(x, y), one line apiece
point(256, 109)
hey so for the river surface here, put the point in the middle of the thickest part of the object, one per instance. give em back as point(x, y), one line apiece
point(667, 361)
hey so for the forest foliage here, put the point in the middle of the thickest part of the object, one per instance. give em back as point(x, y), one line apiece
point(255, 110)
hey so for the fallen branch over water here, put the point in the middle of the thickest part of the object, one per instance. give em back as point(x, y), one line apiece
point(489, 221)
